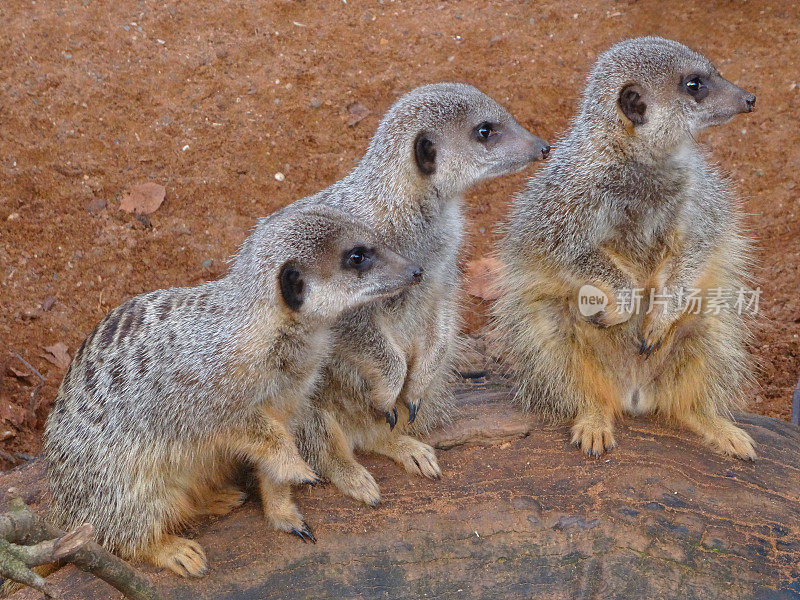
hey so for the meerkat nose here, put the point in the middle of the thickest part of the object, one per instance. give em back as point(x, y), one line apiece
point(750, 100)
point(546, 148)
point(416, 274)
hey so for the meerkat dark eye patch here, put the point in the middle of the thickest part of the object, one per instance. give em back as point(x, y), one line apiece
point(485, 131)
point(292, 287)
point(696, 86)
point(359, 258)
point(632, 104)
point(425, 154)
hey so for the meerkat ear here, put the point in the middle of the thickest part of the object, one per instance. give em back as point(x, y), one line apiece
point(632, 105)
point(425, 154)
point(291, 283)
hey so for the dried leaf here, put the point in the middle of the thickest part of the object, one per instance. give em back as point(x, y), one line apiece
point(12, 413)
point(58, 355)
point(144, 198)
point(482, 278)
point(358, 112)
point(17, 373)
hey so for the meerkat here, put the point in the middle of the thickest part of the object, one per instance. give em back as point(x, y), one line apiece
point(628, 201)
point(175, 387)
point(433, 143)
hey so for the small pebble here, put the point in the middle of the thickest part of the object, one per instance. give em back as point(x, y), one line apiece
point(96, 206)
point(316, 103)
point(206, 263)
point(279, 176)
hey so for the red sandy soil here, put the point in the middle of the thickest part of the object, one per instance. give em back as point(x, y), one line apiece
point(212, 99)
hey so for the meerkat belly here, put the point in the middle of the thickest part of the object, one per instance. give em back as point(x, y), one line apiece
point(635, 374)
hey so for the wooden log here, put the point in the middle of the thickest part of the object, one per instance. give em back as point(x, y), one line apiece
point(520, 513)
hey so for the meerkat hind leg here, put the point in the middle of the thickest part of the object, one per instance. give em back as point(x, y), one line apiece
point(593, 432)
point(222, 500)
point(720, 434)
point(281, 511)
point(593, 428)
point(416, 457)
point(352, 478)
point(181, 555)
point(686, 395)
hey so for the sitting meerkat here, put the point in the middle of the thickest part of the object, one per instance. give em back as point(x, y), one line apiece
point(629, 202)
point(433, 143)
point(175, 387)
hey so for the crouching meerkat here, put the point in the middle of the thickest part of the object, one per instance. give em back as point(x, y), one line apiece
point(175, 387)
point(629, 205)
point(433, 143)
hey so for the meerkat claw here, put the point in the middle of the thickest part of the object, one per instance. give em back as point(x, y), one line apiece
point(313, 480)
point(413, 408)
point(391, 418)
point(597, 320)
point(305, 533)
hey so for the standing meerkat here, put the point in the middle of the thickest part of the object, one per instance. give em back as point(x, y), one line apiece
point(629, 202)
point(433, 143)
point(175, 387)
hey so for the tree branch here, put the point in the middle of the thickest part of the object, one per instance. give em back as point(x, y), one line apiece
point(20, 525)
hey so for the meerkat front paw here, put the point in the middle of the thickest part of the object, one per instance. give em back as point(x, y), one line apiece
point(182, 556)
point(615, 310)
point(593, 434)
point(391, 417)
point(656, 327)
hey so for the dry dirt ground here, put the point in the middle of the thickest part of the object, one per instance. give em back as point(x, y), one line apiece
point(212, 99)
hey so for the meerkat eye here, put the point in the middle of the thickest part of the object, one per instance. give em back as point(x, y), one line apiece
point(696, 87)
point(484, 131)
point(358, 258)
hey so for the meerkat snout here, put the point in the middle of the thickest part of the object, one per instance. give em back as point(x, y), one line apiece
point(750, 101)
point(508, 146)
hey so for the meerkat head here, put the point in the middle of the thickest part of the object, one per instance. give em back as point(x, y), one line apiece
point(316, 264)
point(658, 93)
point(448, 136)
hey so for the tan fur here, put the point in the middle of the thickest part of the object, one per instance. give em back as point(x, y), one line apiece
point(397, 355)
point(175, 389)
point(621, 205)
